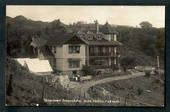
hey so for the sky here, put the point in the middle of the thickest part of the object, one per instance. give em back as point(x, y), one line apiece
point(118, 15)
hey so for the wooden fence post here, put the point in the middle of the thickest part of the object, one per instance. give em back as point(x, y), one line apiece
point(43, 88)
point(125, 102)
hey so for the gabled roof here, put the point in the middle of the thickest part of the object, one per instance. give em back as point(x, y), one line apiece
point(59, 39)
point(89, 39)
point(38, 42)
point(64, 38)
point(46, 52)
point(75, 40)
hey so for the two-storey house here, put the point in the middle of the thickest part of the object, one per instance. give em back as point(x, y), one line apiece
point(70, 51)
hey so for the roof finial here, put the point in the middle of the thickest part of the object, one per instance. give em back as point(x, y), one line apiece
point(107, 21)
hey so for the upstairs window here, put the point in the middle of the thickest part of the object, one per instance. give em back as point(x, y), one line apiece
point(99, 37)
point(74, 49)
point(90, 37)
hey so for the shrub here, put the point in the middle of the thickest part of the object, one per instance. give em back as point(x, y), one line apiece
point(157, 81)
point(147, 74)
point(139, 91)
point(114, 67)
point(89, 70)
point(128, 61)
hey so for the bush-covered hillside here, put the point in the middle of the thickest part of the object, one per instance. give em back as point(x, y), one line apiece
point(26, 89)
point(140, 45)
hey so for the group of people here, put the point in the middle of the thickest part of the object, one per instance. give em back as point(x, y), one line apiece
point(77, 76)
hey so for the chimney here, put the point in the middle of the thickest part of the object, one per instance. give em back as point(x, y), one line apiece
point(115, 37)
point(97, 26)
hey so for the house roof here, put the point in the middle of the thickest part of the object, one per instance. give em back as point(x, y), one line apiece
point(46, 52)
point(35, 65)
point(97, 39)
point(104, 43)
point(38, 42)
point(59, 39)
point(89, 39)
point(63, 38)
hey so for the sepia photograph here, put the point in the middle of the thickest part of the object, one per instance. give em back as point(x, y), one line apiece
point(68, 55)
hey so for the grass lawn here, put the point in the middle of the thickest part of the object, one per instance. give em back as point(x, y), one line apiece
point(111, 74)
point(28, 88)
point(141, 91)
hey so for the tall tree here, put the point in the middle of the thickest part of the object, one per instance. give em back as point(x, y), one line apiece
point(145, 25)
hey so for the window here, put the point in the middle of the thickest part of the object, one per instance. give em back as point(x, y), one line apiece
point(99, 37)
point(74, 64)
point(74, 49)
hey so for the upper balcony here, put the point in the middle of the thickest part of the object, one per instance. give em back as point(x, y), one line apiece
point(106, 54)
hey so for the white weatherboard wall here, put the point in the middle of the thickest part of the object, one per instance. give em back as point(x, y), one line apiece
point(62, 55)
point(59, 58)
point(68, 55)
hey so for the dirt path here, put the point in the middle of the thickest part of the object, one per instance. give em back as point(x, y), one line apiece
point(81, 89)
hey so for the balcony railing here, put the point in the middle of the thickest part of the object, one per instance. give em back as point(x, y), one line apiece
point(104, 54)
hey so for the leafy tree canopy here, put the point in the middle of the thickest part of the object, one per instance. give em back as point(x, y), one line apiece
point(145, 24)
